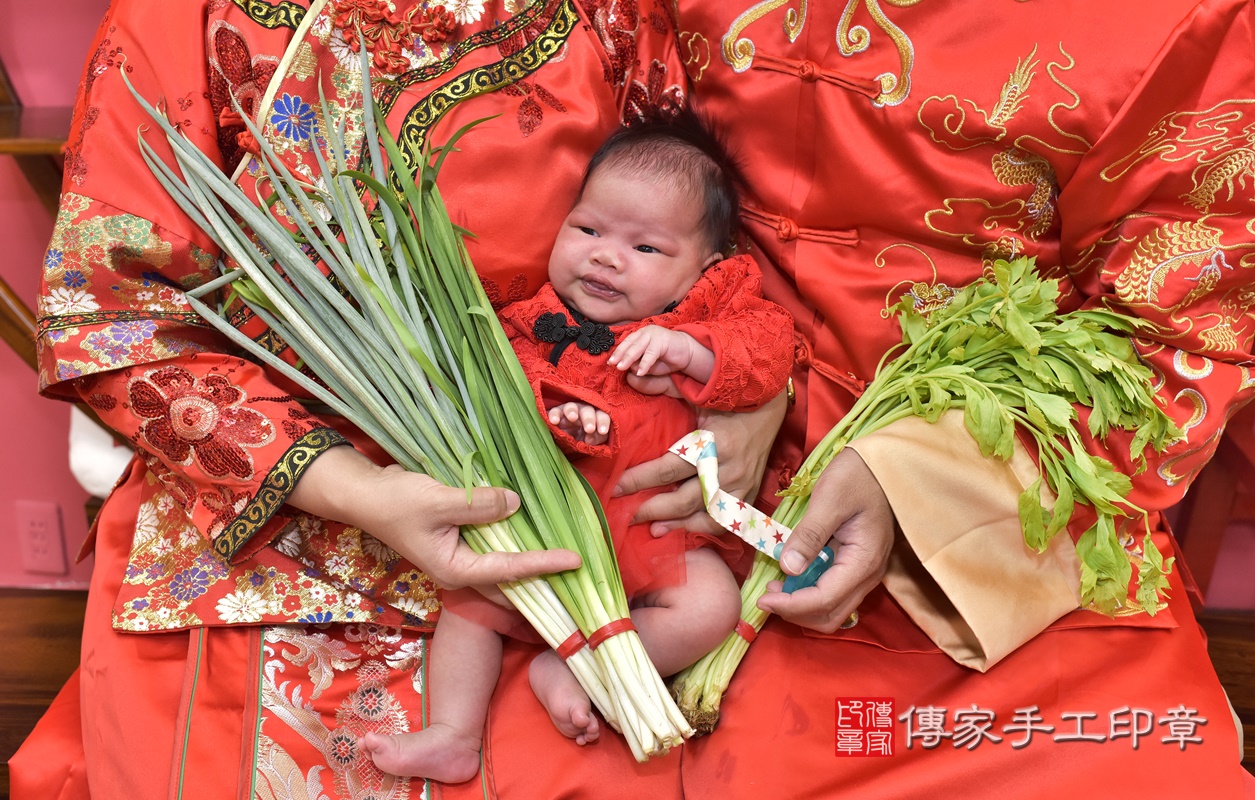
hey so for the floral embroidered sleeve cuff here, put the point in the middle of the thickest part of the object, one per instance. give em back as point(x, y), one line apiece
point(227, 443)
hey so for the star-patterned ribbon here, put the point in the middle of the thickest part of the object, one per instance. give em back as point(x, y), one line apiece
point(758, 529)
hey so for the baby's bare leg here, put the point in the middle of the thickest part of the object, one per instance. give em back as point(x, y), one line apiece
point(680, 624)
point(463, 668)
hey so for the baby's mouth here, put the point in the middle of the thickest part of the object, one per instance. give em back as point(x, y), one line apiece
point(599, 288)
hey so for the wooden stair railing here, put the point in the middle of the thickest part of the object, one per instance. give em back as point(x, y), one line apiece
point(17, 325)
point(34, 137)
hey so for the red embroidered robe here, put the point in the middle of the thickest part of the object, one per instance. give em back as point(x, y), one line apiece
point(1108, 141)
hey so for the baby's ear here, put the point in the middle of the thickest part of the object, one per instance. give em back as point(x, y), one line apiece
point(711, 260)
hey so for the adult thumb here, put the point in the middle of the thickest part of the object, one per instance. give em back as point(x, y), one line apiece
point(487, 504)
point(800, 549)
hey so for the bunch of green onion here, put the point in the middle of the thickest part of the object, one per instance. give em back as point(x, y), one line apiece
point(1002, 352)
point(412, 354)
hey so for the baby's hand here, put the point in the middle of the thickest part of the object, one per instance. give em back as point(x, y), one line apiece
point(653, 350)
point(582, 422)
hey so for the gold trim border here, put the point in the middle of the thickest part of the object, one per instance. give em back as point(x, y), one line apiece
point(275, 489)
point(284, 15)
point(412, 135)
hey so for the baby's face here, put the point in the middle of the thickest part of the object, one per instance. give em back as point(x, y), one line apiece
point(631, 246)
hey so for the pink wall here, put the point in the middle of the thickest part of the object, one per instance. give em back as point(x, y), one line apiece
point(43, 47)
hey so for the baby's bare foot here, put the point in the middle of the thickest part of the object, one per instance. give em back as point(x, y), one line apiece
point(437, 752)
point(563, 697)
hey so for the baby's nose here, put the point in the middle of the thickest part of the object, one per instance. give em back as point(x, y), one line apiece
point(607, 255)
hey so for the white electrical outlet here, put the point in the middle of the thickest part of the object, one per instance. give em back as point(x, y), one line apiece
point(43, 541)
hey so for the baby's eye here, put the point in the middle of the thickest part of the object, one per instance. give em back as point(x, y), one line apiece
point(646, 248)
point(587, 231)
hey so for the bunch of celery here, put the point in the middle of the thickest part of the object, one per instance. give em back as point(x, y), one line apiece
point(413, 354)
point(1002, 352)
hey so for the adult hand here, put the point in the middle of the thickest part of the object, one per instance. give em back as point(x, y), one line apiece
point(743, 439)
point(848, 510)
point(418, 517)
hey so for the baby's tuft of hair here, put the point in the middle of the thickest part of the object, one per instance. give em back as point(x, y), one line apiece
point(683, 149)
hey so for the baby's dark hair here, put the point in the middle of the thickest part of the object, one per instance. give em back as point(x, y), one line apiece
point(685, 150)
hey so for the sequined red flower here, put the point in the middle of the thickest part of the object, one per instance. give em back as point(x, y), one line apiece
point(188, 418)
point(181, 489)
point(235, 77)
point(653, 98)
point(616, 22)
point(225, 505)
point(386, 32)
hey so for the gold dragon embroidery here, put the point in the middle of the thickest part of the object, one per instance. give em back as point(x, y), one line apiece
point(738, 51)
point(963, 125)
point(1164, 251)
point(947, 120)
point(926, 296)
point(1073, 102)
point(1159, 256)
point(1221, 139)
point(1016, 167)
point(855, 39)
point(1226, 335)
point(1169, 470)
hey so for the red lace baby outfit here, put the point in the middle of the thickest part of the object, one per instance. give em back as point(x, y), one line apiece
point(752, 340)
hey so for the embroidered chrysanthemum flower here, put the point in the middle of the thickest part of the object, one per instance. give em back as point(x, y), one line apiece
point(146, 524)
point(64, 300)
point(243, 606)
point(288, 541)
point(53, 258)
point(132, 331)
point(189, 584)
point(74, 278)
point(466, 11)
point(378, 550)
point(415, 608)
point(293, 118)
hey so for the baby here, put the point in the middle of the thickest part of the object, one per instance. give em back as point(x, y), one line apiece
point(642, 319)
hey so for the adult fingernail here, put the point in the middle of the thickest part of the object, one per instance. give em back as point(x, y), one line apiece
point(512, 501)
point(659, 529)
point(793, 562)
point(617, 491)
